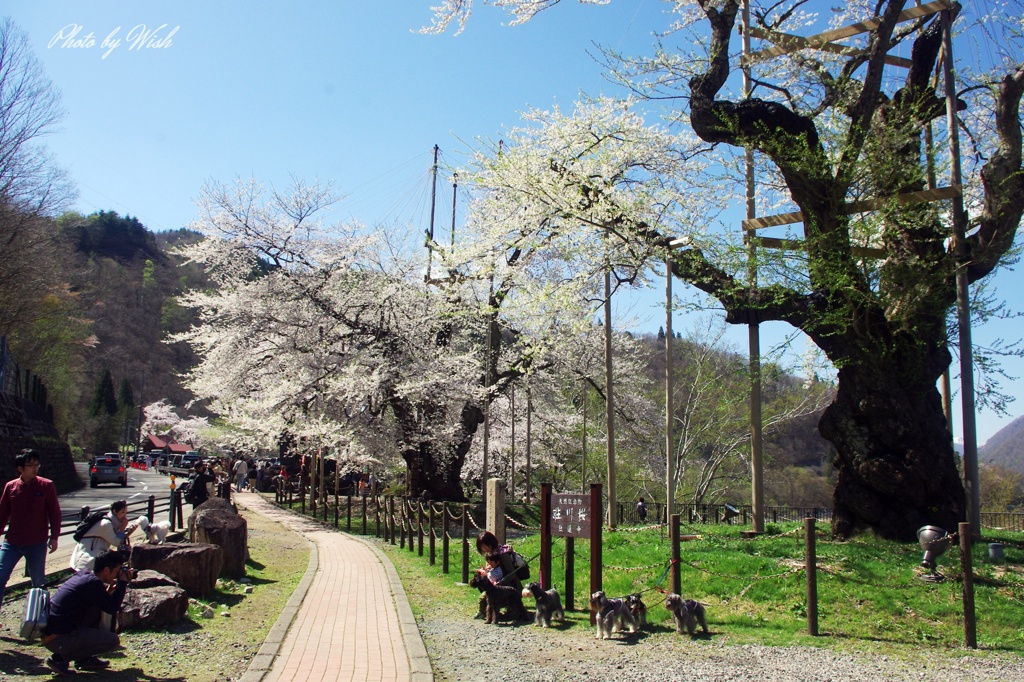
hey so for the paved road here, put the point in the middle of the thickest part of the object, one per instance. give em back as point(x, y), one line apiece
point(141, 484)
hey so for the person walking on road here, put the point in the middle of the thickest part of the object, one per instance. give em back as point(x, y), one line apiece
point(30, 512)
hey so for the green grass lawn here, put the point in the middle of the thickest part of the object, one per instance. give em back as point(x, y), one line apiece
point(870, 596)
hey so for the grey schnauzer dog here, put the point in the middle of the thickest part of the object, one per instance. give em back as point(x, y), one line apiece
point(500, 597)
point(637, 608)
point(549, 605)
point(612, 615)
point(686, 613)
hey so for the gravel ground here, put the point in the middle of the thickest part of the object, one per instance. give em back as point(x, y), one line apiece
point(462, 650)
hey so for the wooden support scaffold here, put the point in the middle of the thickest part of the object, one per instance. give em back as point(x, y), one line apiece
point(783, 44)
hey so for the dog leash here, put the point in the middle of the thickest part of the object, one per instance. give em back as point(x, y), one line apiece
point(657, 583)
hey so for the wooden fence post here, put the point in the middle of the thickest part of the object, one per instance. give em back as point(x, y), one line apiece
point(178, 506)
point(465, 543)
point(570, 572)
point(545, 536)
point(401, 521)
point(677, 579)
point(433, 554)
point(596, 519)
point(811, 569)
point(967, 569)
point(419, 528)
point(364, 514)
point(376, 515)
point(444, 537)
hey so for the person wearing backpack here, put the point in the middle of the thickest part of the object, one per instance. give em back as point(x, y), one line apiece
point(105, 534)
point(31, 513)
point(198, 491)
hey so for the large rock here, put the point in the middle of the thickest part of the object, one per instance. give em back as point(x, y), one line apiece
point(195, 567)
point(152, 607)
point(149, 578)
point(217, 522)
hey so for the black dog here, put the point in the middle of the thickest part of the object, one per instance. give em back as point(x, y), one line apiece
point(549, 605)
point(499, 597)
point(637, 608)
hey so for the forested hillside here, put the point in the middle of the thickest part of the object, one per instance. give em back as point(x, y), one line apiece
point(711, 401)
point(101, 313)
point(1006, 447)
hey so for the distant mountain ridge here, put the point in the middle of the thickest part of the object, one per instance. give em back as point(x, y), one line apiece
point(1006, 447)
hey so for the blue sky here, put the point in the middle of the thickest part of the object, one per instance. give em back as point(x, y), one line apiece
point(344, 91)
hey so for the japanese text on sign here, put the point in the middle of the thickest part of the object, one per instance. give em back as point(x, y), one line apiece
point(570, 516)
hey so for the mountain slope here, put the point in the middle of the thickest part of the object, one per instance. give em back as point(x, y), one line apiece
point(1006, 447)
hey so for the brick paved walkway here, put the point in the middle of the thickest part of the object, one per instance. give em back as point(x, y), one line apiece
point(349, 618)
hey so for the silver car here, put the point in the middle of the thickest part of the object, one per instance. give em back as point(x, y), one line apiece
point(107, 468)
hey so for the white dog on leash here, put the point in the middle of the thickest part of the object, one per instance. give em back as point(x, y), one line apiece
point(156, 533)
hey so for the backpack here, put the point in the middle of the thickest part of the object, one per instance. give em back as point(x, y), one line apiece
point(187, 490)
point(86, 524)
point(522, 569)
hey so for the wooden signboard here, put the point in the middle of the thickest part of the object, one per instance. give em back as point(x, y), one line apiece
point(570, 515)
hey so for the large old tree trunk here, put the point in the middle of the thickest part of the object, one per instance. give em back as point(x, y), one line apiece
point(434, 465)
point(895, 463)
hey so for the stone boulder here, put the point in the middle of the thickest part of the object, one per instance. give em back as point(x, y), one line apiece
point(195, 567)
point(217, 522)
point(154, 606)
point(149, 578)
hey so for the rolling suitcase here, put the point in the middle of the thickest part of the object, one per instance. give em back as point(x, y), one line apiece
point(37, 607)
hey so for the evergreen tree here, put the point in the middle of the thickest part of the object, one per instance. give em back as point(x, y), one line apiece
point(125, 399)
point(103, 401)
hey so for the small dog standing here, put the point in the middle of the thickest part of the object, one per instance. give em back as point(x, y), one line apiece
point(612, 615)
point(686, 613)
point(638, 609)
point(498, 597)
point(156, 533)
point(549, 605)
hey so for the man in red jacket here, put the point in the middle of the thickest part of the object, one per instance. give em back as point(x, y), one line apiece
point(30, 512)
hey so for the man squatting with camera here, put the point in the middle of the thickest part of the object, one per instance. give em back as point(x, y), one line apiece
point(73, 630)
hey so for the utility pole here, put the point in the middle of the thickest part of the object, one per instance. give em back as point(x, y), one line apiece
point(609, 400)
point(433, 206)
point(670, 459)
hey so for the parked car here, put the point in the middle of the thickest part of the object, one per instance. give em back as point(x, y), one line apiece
point(107, 468)
point(188, 460)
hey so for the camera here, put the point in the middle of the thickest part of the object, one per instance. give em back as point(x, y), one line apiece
point(128, 574)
